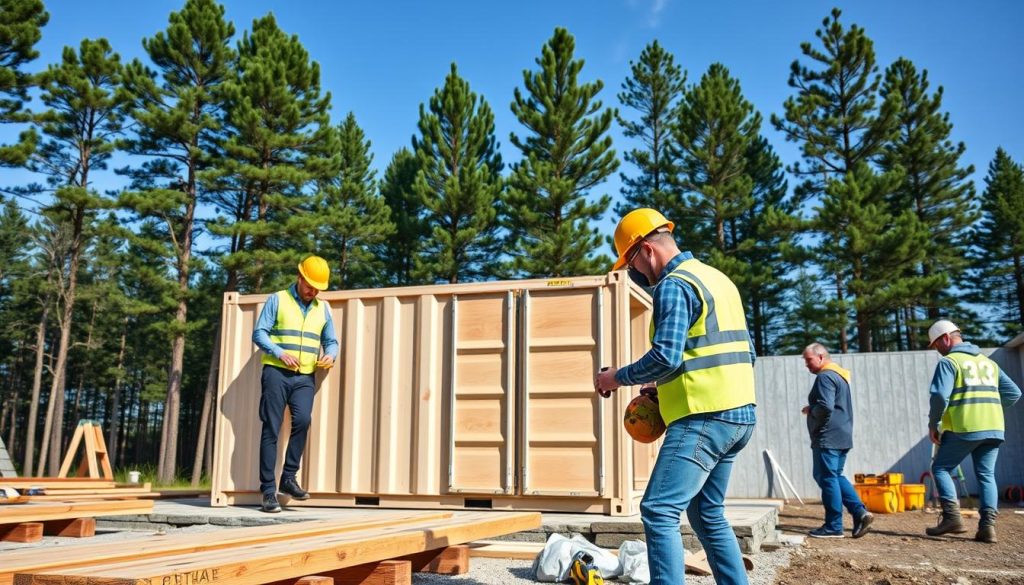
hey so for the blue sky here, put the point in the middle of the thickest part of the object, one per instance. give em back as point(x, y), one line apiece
point(381, 59)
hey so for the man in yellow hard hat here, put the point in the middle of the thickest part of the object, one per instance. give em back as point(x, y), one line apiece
point(296, 334)
point(702, 358)
point(967, 396)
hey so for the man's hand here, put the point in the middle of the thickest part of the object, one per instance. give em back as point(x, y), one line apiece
point(290, 361)
point(935, 436)
point(325, 362)
point(605, 383)
point(805, 410)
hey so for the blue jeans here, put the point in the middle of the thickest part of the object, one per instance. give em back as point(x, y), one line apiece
point(692, 474)
point(836, 490)
point(283, 388)
point(952, 451)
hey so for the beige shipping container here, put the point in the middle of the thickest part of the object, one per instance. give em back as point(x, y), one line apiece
point(471, 395)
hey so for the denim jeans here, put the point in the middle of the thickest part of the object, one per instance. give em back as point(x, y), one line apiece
point(296, 391)
point(952, 451)
point(836, 490)
point(692, 474)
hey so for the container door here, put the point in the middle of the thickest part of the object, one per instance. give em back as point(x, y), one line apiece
point(561, 435)
point(481, 440)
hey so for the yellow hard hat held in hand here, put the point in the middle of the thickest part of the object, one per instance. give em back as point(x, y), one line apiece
point(316, 272)
point(635, 226)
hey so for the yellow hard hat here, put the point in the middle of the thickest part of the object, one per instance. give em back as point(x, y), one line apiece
point(635, 226)
point(316, 272)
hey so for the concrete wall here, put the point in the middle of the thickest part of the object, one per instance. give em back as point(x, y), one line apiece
point(890, 394)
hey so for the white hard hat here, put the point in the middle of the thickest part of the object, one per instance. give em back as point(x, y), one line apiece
point(940, 328)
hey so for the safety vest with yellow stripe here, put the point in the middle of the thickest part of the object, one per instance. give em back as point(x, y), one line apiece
point(716, 373)
point(297, 334)
point(974, 404)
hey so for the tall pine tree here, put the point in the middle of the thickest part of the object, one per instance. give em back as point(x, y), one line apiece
point(351, 216)
point(653, 92)
point(935, 187)
point(20, 24)
point(999, 254)
point(460, 184)
point(176, 116)
point(407, 213)
point(566, 153)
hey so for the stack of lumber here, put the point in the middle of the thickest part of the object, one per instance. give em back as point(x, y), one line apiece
point(77, 488)
point(382, 549)
point(29, 521)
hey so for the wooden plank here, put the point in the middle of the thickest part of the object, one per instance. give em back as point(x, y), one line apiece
point(451, 560)
point(292, 558)
point(69, 458)
point(72, 527)
point(314, 580)
point(41, 511)
point(379, 573)
point(30, 561)
point(526, 551)
point(24, 532)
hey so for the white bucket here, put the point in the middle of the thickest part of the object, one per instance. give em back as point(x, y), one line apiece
point(133, 476)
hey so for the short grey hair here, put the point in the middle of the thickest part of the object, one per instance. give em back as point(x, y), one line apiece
point(816, 349)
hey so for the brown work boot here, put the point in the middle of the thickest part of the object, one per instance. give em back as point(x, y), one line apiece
point(950, 520)
point(987, 526)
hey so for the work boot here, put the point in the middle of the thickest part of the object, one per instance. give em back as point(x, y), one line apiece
point(987, 526)
point(270, 503)
point(862, 524)
point(291, 487)
point(950, 520)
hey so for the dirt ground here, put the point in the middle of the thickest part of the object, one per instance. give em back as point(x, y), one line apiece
point(897, 551)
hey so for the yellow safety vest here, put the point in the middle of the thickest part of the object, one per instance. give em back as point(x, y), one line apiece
point(716, 373)
point(297, 335)
point(975, 404)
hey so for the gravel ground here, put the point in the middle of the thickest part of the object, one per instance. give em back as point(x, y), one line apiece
point(514, 572)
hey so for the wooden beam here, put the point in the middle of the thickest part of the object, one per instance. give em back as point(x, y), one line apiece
point(71, 527)
point(293, 558)
point(23, 532)
point(57, 482)
point(30, 561)
point(40, 511)
point(379, 573)
point(451, 560)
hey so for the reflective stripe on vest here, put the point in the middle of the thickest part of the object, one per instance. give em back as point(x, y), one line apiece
point(716, 373)
point(297, 335)
point(975, 404)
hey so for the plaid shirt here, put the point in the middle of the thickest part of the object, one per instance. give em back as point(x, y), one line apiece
point(676, 308)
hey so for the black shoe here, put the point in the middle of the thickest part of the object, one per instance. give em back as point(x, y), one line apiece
point(292, 488)
point(270, 503)
point(862, 524)
point(823, 532)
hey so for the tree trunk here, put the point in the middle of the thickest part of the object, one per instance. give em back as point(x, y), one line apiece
point(37, 382)
point(204, 417)
point(115, 405)
point(1018, 278)
point(863, 332)
point(844, 345)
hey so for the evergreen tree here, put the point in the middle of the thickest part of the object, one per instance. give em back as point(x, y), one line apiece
point(352, 217)
point(176, 116)
point(407, 211)
point(935, 187)
point(653, 91)
point(86, 108)
point(803, 323)
point(277, 144)
point(20, 24)
point(842, 128)
point(566, 155)
point(460, 184)
point(999, 255)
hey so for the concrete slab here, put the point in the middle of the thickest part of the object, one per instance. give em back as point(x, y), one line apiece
point(753, 521)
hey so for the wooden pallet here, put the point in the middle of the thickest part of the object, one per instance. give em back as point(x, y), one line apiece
point(144, 547)
point(293, 558)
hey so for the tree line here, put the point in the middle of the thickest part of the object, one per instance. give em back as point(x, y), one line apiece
point(110, 310)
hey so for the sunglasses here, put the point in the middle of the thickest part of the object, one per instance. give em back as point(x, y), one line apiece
point(632, 257)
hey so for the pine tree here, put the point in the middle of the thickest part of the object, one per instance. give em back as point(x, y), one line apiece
point(352, 218)
point(407, 212)
point(460, 184)
point(653, 91)
point(935, 187)
point(999, 255)
point(804, 322)
point(20, 24)
point(83, 121)
point(176, 117)
point(566, 155)
point(842, 128)
point(278, 143)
